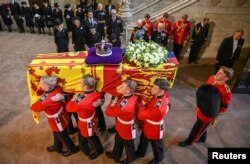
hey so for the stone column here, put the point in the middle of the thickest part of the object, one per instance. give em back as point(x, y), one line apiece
point(126, 15)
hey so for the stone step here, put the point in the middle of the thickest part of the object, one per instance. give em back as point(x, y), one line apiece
point(152, 9)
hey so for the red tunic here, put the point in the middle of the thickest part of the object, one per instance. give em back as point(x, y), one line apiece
point(124, 110)
point(224, 90)
point(167, 24)
point(152, 117)
point(84, 106)
point(181, 31)
point(148, 26)
point(57, 117)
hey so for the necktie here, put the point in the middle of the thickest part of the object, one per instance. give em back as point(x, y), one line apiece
point(91, 22)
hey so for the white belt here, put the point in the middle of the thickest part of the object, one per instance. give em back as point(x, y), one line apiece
point(125, 122)
point(161, 127)
point(133, 126)
point(89, 123)
point(155, 123)
point(55, 115)
point(86, 119)
point(57, 119)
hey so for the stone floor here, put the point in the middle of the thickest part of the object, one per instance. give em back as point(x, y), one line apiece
point(22, 141)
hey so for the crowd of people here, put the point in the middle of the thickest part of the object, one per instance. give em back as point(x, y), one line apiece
point(90, 24)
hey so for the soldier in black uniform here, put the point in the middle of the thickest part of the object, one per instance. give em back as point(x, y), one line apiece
point(160, 36)
point(114, 25)
point(139, 33)
point(68, 15)
point(39, 20)
point(17, 14)
point(199, 36)
point(57, 12)
point(27, 14)
point(108, 8)
point(80, 14)
point(61, 36)
point(78, 35)
point(93, 38)
point(48, 15)
point(101, 17)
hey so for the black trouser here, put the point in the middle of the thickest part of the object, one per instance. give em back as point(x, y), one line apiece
point(101, 119)
point(19, 23)
point(71, 128)
point(198, 132)
point(62, 138)
point(177, 50)
point(94, 141)
point(157, 147)
point(118, 149)
point(194, 51)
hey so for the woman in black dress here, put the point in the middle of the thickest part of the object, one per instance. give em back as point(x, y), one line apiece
point(78, 35)
point(27, 14)
point(61, 37)
point(39, 20)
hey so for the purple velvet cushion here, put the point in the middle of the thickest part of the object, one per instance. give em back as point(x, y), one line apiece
point(114, 58)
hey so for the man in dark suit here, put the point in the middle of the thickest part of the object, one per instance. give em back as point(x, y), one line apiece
point(108, 8)
point(114, 25)
point(229, 50)
point(90, 22)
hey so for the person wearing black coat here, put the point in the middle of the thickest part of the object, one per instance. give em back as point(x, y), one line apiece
point(79, 13)
point(48, 15)
point(91, 5)
point(160, 36)
point(93, 38)
point(27, 14)
point(114, 41)
point(6, 16)
point(114, 25)
point(61, 37)
point(57, 12)
point(199, 36)
point(68, 15)
point(39, 20)
point(108, 8)
point(230, 50)
point(17, 14)
point(78, 35)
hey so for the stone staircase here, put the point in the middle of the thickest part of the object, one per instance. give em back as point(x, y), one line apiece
point(148, 6)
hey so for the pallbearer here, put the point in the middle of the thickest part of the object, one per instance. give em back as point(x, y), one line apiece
point(125, 112)
point(152, 116)
point(52, 103)
point(85, 105)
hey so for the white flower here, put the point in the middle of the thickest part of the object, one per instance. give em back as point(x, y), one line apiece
point(145, 54)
